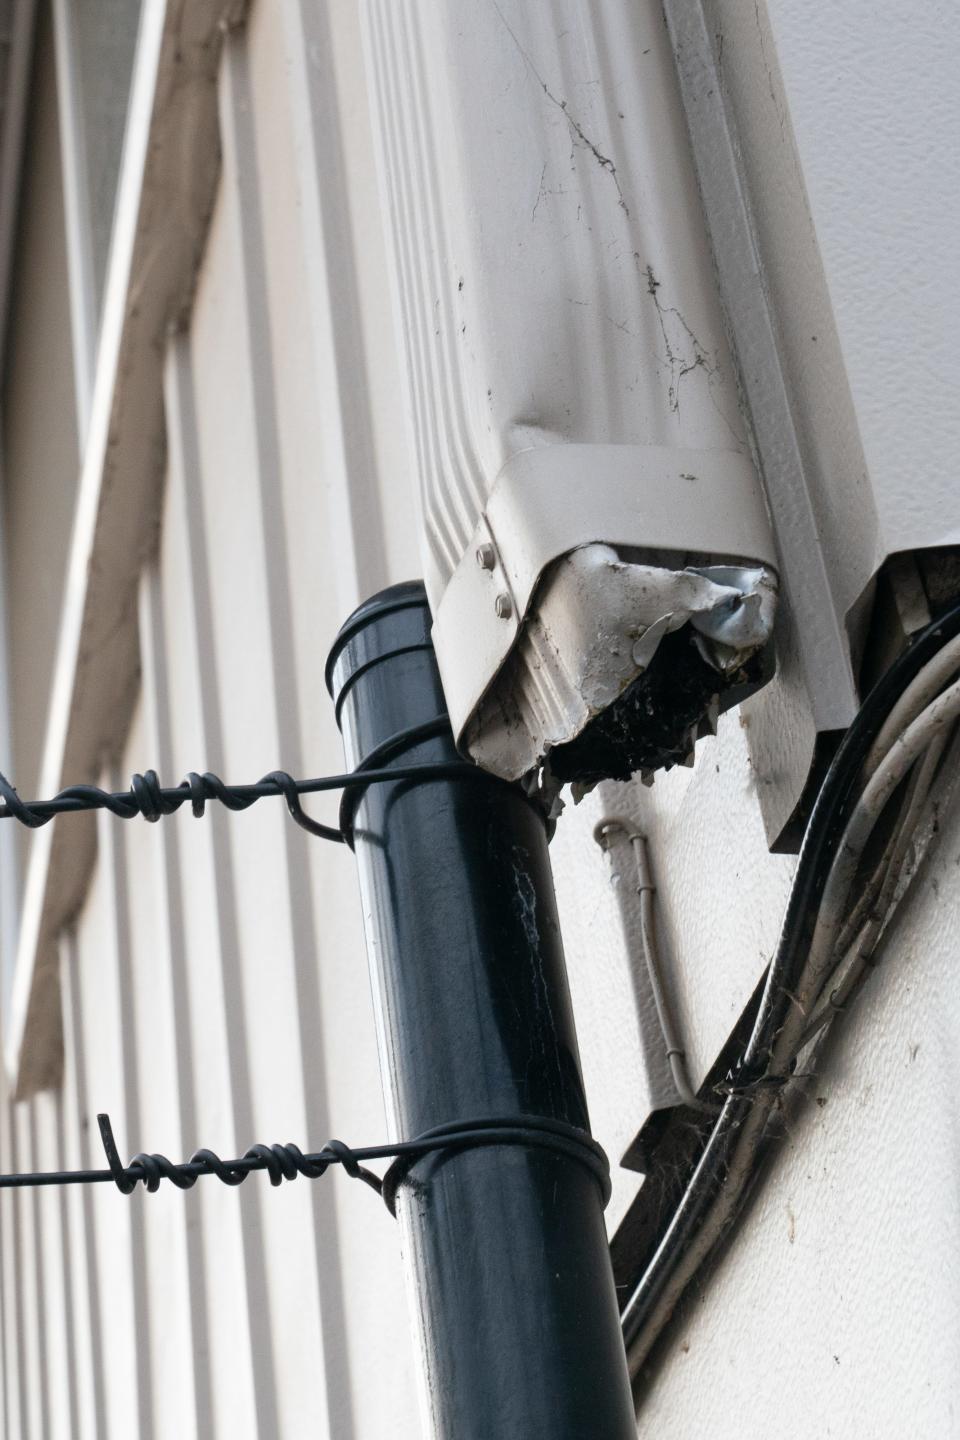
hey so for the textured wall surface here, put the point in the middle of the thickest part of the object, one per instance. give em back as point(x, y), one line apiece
point(214, 986)
point(874, 110)
point(835, 1310)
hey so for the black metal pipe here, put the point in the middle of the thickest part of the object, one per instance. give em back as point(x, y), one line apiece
point(505, 1247)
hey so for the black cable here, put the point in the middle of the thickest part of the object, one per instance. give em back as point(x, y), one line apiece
point(729, 1160)
point(286, 1162)
point(146, 796)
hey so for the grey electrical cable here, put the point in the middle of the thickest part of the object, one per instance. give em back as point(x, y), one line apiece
point(705, 1212)
point(876, 891)
point(672, 1040)
point(857, 957)
point(869, 899)
point(930, 725)
point(915, 698)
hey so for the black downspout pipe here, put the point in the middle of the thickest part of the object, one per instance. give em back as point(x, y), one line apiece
point(505, 1247)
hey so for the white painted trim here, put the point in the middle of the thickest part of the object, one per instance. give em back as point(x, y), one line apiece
point(76, 209)
point(9, 858)
point(85, 519)
point(114, 313)
point(11, 144)
point(162, 210)
point(819, 629)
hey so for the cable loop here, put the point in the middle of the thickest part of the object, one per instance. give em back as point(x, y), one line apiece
point(279, 1165)
point(215, 1166)
point(288, 788)
point(198, 795)
point(227, 795)
point(149, 798)
point(346, 1158)
point(387, 750)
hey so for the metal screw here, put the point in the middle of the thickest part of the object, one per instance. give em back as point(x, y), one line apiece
point(503, 606)
point(486, 556)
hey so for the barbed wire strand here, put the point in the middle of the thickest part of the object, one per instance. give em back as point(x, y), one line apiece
point(286, 1162)
point(149, 799)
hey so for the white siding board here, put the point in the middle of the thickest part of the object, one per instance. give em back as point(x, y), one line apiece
point(342, 467)
point(134, 1078)
point(312, 548)
point(106, 1035)
point(278, 922)
point(241, 1361)
point(305, 473)
point(413, 257)
point(365, 474)
point(30, 1354)
point(396, 492)
point(9, 1274)
point(365, 1318)
point(76, 199)
point(63, 1259)
point(14, 1400)
point(161, 1036)
point(53, 1310)
point(40, 461)
point(84, 1280)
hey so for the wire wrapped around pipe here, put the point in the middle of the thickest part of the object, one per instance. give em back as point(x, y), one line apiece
point(287, 1162)
point(149, 799)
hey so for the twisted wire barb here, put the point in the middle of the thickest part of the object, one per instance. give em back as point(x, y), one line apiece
point(149, 799)
point(286, 1162)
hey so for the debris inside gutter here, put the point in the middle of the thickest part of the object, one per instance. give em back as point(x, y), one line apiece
point(622, 662)
point(655, 723)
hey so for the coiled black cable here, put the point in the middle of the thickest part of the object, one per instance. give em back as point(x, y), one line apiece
point(729, 1162)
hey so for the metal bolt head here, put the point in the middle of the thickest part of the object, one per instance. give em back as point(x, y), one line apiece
point(503, 606)
point(486, 556)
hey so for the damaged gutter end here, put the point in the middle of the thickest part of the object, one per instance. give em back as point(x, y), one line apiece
point(612, 600)
point(621, 665)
